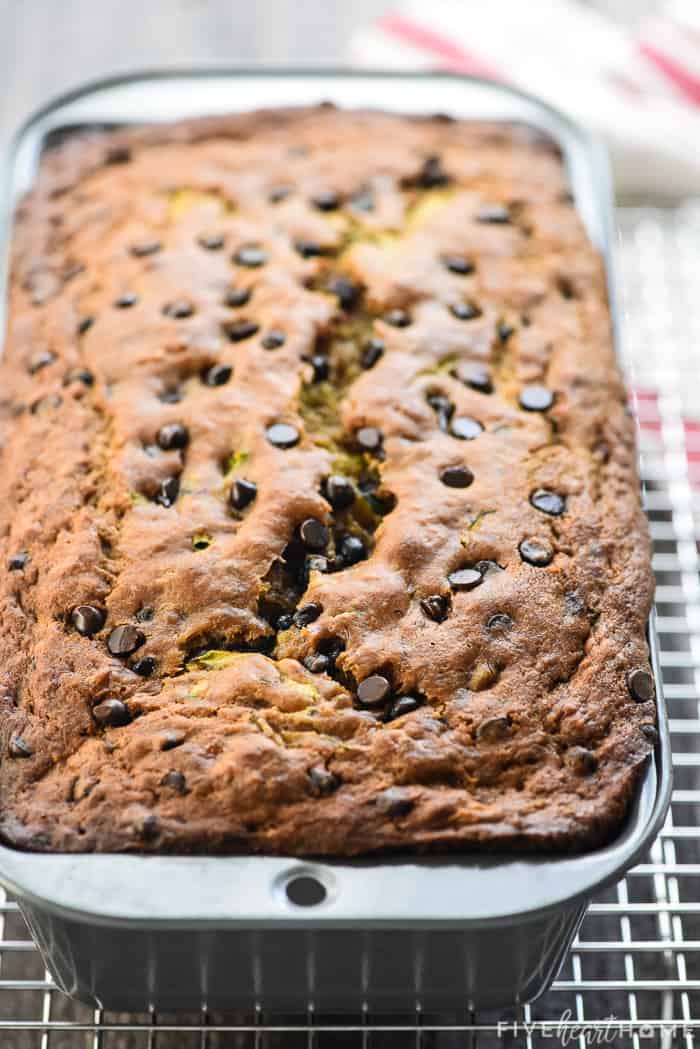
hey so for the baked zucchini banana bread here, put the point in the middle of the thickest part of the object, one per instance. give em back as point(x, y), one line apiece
point(320, 521)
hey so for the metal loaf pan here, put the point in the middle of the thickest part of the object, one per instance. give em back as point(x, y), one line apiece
point(172, 932)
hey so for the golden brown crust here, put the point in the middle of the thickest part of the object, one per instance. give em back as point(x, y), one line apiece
point(522, 733)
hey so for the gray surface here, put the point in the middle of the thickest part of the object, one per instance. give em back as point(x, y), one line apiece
point(47, 46)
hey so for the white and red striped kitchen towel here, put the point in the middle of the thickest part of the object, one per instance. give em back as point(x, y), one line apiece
point(640, 89)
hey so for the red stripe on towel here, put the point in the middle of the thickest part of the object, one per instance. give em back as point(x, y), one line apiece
point(452, 55)
point(688, 83)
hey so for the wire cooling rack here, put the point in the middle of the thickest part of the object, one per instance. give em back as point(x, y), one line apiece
point(633, 975)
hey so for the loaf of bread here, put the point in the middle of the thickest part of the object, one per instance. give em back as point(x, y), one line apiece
point(320, 518)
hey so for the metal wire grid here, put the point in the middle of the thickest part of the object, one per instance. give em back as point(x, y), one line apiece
point(633, 976)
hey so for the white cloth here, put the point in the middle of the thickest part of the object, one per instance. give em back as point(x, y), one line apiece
point(639, 90)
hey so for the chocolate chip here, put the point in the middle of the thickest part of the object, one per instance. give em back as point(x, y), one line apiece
point(339, 491)
point(211, 241)
point(332, 647)
point(458, 264)
point(382, 502)
point(457, 476)
point(582, 761)
point(401, 706)
point(218, 375)
point(126, 301)
point(362, 200)
point(566, 286)
point(474, 375)
point(435, 607)
point(149, 828)
point(650, 732)
point(88, 619)
point(308, 249)
point(326, 200)
point(548, 502)
point(18, 747)
point(316, 663)
point(373, 691)
point(242, 493)
point(236, 297)
point(173, 436)
point(237, 331)
point(536, 552)
point(146, 247)
point(443, 408)
point(145, 614)
point(117, 155)
point(641, 685)
point(85, 324)
point(372, 350)
point(536, 398)
point(313, 534)
point(284, 622)
point(124, 640)
point(176, 781)
point(499, 623)
point(40, 360)
point(492, 730)
point(111, 712)
point(144, 667)
point(79, 375)
point(168, 491)
point(307, 614)
point(369, 439)
point(464, 579)
point(432, 173)
point(493, 213)
point(273, 339)
point(179, 309)
point(322, 782)
point(465, 428)
point(352, 549)
point(321, 367)
point(171, 396)
point(283, 435)
point(250, 255)
point(16, 562)
point(464, 311)
point(171, 738)
point(347, 293)
point(394, 802)
point(397, 318)
point(504, 330)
